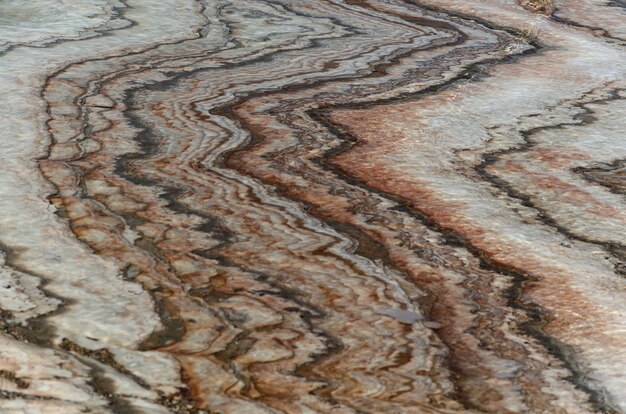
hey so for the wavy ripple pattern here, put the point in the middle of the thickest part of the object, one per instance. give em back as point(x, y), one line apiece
point(342, 206)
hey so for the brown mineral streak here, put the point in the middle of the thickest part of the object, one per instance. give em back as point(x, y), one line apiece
point(313, 206)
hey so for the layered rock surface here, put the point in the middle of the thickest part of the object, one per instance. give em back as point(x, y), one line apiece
point(312, 206)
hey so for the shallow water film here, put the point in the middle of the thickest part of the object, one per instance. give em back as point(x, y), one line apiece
point(312, 206)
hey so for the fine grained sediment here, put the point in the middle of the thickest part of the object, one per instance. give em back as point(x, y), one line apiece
point(312, 206)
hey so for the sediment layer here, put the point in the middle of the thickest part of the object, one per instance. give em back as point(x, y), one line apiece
point(312, 206)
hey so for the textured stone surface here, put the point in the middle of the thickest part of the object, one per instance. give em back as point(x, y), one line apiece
point(355, 206)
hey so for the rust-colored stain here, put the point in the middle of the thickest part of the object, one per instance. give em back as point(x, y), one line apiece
point(312, 207)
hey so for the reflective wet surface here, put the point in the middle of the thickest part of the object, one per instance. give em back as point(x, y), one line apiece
point(312, 206)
